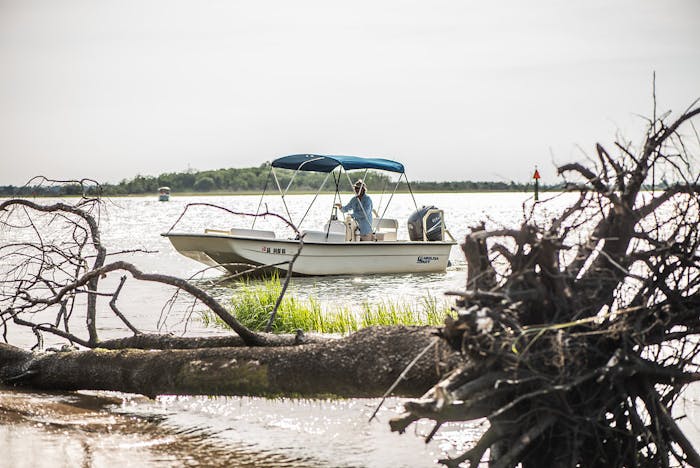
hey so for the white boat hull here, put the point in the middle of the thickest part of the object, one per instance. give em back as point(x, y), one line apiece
point(236, 253)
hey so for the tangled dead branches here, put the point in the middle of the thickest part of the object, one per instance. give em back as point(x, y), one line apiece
point(577, 350)
point(56, 265)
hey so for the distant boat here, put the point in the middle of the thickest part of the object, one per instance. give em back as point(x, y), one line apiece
point(164, 194)
point(334, 249)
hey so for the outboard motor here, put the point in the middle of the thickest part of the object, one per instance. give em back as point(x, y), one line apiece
point(433, 224)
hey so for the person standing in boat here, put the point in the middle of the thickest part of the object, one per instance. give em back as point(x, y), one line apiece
point(361, 207)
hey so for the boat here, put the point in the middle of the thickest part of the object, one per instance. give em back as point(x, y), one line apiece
point(163, 193)
point(335, 248)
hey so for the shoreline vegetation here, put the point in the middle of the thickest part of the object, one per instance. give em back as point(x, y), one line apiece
point(249, 181)
point(254, 301)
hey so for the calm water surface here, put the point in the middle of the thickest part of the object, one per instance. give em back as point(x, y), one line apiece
point(88, 429)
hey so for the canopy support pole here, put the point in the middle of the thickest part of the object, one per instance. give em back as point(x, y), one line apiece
point(257, 210)
point(284, 202)
point(312, 201)
point(336, 196)
point(408, 184)
point(391, 197)
point(381, 197)
point(297, 172)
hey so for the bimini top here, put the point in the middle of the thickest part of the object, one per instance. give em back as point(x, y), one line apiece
point(326, 163)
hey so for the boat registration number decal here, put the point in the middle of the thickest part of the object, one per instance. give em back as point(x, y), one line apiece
point(427, 259)
point(274, 250)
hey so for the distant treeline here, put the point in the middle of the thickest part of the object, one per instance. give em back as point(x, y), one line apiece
point(252, 179)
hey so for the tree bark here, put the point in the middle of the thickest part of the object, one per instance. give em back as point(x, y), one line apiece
point(364, 364)
point(159, 341)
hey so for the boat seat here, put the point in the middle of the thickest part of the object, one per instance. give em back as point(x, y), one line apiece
point(385, 229)
point(388, 224)
point(335, 226)
point(320, 236)
point(252, 233)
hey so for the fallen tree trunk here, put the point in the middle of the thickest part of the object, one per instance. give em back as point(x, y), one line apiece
point(162, 341)
point(364, 364)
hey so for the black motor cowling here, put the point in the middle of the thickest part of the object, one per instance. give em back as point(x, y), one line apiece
point(433, 224)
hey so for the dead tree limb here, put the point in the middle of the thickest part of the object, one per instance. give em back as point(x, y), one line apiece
point(50, 271)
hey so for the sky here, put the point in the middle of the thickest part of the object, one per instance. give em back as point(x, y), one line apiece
point(454, 89)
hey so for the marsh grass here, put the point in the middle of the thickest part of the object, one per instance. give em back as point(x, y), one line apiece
point(255, 300)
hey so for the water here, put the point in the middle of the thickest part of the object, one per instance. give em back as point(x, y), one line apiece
point(115, 430)
point(99, 429)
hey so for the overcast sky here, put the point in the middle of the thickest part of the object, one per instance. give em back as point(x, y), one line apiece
point(457, 90)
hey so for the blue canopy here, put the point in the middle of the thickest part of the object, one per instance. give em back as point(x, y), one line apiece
point(326, 163)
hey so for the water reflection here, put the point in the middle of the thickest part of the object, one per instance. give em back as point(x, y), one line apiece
point(40, 430)
point(333, 433)
point(102, 429)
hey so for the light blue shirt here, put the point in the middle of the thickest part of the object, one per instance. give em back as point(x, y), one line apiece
point(361, 213)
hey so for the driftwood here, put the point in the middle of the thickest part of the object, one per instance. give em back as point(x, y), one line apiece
point(364, 364)
point(577, 349)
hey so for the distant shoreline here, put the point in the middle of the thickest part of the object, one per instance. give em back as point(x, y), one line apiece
point(253, 180)
point(251, 193)
point(223, 193)
point(307, 192)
